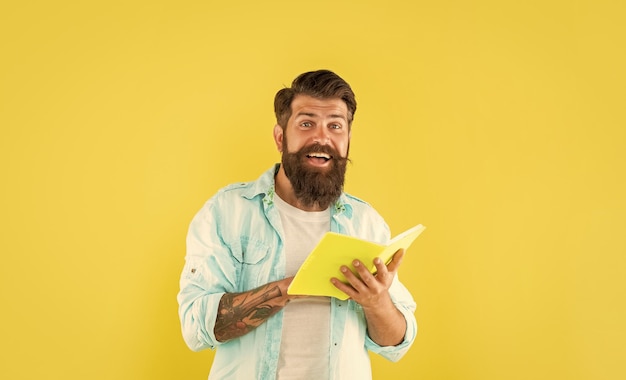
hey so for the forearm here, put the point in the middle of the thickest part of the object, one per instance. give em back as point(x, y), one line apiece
point(240, 313)
point(386, 325)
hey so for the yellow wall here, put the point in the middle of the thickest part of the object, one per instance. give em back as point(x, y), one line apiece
point(498, 124)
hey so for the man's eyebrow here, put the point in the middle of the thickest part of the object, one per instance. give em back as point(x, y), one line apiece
point(311, 114)
point(339, 116)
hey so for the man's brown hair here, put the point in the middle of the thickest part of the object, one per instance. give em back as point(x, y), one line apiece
point(321, 84)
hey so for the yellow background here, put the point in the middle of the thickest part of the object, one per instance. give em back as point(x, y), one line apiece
point(500, 125)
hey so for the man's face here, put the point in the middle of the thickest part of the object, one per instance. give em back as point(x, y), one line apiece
point(315, 146)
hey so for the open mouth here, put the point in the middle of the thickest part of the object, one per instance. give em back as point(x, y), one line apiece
point(318, 158)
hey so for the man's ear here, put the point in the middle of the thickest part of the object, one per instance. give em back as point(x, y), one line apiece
point(278, 137)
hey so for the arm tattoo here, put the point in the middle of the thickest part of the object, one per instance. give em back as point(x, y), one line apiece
point(240, 313)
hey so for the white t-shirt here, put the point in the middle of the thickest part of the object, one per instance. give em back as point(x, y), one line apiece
point(306, 321)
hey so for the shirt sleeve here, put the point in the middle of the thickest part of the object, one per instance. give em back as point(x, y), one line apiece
point(403, 300)
point(208, 273)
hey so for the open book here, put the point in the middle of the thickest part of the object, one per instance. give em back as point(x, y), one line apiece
point(335, 250)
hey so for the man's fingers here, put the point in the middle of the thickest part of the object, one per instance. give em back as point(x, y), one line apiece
point(396, 261)
point(356, 281)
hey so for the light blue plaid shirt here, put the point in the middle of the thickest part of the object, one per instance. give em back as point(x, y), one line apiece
point(235, 244)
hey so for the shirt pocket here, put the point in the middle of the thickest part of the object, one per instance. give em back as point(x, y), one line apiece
point(254, 261)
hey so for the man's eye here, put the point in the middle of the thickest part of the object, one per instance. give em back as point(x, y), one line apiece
point(306, 124)
point(335, 126)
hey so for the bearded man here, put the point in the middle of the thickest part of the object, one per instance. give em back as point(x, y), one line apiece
point(248, 241)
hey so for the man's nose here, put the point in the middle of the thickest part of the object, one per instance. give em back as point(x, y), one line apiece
point(321, 135)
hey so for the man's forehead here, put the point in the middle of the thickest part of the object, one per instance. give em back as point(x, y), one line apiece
point(311, 106)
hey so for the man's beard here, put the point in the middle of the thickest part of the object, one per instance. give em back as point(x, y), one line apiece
point(314, 186)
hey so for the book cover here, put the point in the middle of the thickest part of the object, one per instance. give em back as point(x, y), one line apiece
point(335, 250)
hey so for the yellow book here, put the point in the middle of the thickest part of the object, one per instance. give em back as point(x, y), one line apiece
point(335, 250)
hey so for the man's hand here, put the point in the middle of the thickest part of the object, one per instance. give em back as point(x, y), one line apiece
point(385, 324)
point(240, 313)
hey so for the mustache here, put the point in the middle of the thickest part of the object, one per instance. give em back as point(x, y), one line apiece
point(319, 148)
